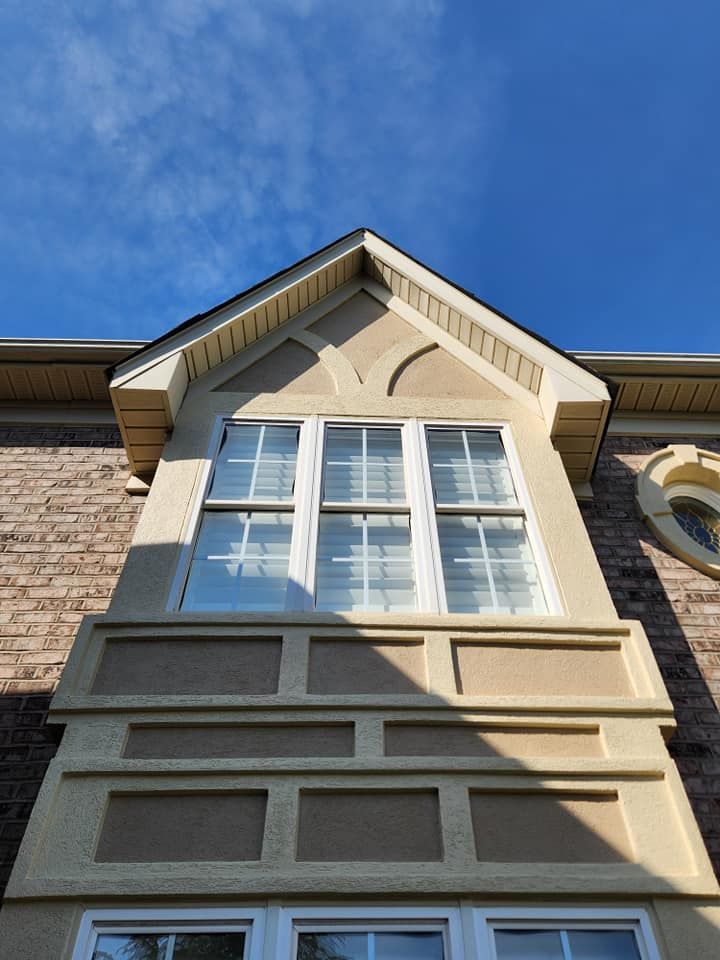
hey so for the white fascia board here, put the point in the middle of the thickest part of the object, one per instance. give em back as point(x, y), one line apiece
point(452, 345)
point(230, 313)
point(524, 342)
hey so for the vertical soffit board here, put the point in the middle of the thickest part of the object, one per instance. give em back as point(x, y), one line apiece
point(147, 389)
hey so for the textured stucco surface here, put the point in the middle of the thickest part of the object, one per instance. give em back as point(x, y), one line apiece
point(174, 827)
point(477, 740)
point(383, 825)
point(206, 665)
point(540, 669)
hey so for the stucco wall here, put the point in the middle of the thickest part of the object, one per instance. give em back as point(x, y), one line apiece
point(65, 526)
point(680, 610)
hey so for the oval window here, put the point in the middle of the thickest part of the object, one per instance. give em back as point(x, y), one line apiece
point(699, 521)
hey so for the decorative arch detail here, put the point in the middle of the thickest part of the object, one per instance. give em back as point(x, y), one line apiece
point(669, 483)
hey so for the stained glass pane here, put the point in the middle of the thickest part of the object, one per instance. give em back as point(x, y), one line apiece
point(699, 521)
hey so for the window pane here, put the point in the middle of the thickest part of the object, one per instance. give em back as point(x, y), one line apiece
point(363, 465)
point(528, 945)
point(488, 565)
point(332, 946)
point(469, 466)
point(256, 462)
point(137, 946)
point(209, 946)
point(603, 945)
point(240, 562)
point(364, 562)
point(409, 946)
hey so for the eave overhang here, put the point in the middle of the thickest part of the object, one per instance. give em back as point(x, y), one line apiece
point(655, 384)
point(147, 388)
point(47, 373)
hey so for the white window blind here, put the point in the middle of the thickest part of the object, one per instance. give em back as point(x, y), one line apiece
point(241, 555)
point(351, 516)
point(487, 562)
point(364, 559)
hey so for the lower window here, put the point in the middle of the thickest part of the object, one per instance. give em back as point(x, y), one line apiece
point(169, 946)
point(551, 935)
point(344, 944)
point(367, 933)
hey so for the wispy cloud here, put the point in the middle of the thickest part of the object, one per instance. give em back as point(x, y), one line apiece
point(164, 154)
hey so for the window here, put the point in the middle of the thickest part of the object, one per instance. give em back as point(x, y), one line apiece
point(352, 516)
point(422, 932)
point(678, 495)
point(171, 934)
point(598, 934)
point(169, 946)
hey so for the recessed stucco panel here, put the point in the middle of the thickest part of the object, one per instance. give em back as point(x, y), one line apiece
point(484, 669)
point(339, 666)
point(363, 329)
point(549, 827)
point(484, 740)
point(173, 741)
point(382, 825)
point(204, 666)
point(171, 827)
point(437, 374)
point(290, 368)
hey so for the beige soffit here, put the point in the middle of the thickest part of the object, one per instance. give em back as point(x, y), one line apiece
point(661, 383)
point(147, 389)
point(680, 470)
point(54, 379)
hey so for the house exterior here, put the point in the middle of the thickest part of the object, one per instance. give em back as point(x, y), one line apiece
point(386, 663)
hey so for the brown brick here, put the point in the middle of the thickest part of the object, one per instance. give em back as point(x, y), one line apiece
point(65, 526)
point(679, 608)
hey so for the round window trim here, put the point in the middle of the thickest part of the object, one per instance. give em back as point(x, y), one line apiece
point(680, 471)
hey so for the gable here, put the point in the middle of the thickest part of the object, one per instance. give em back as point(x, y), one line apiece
point(363, 329)
point(290, 368)
point(363, 343)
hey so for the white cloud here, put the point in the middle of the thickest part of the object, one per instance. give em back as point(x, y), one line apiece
point(190, 146)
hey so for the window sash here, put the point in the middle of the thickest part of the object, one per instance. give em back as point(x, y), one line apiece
point(419, 505)
point(467, 930)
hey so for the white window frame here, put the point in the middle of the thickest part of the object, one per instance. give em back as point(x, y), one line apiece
point(487, 920)
point(420, 505)
point(294, 920)
point(95, 923)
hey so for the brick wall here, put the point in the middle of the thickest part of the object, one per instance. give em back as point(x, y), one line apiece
point(65, 526)
point(680, 610)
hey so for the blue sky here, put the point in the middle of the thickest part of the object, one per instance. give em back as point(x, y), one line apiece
point(558, 158)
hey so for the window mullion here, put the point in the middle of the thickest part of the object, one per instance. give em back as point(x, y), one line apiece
point(256, 464)
point(305, 520)
point(170, 948)
point(426, 546)
point(366, 563)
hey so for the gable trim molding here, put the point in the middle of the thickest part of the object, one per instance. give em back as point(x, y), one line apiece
point(148, 388)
